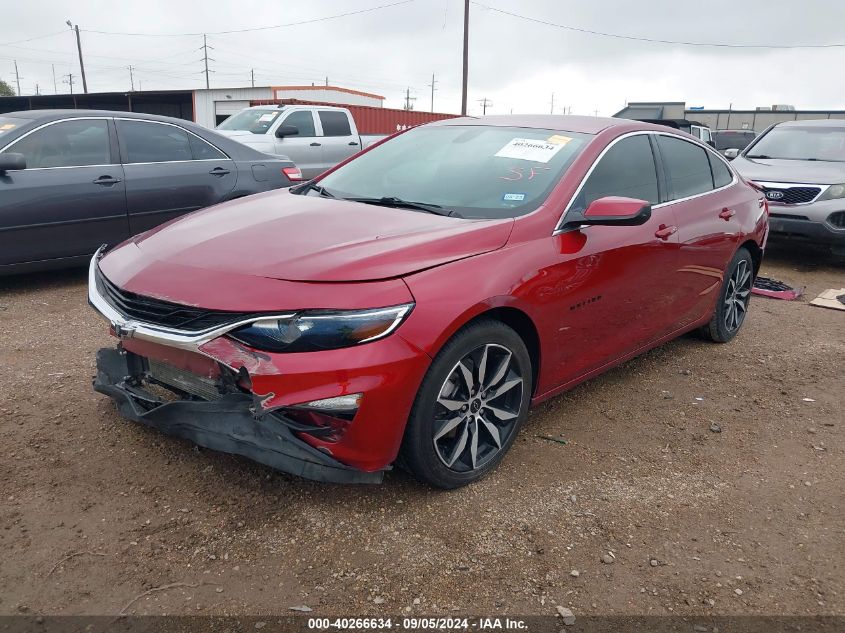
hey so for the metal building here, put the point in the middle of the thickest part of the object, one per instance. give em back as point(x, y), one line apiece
point(724, 119)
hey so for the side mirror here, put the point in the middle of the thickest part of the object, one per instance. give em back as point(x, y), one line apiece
point(731, 153)
point(12, 162)
point(286, 130)
point(616, 211)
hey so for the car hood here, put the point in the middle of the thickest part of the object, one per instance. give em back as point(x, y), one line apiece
point(781, 170)
point(290, 237)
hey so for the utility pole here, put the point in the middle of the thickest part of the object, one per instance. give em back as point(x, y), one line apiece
point(595, 112)
point(55, 86)
point(17, 78)
point(466, 58)
point(327, 80)
point(37, 90)
point(205, 58)
point(131, 79)
point(69, 81)
point(485, 103)
point(432, 91)
point(553, 104)
point(408, 99)
point(252, 76)
point(75, 28)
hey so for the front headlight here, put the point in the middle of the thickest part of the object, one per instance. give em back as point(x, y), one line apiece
point(833, 192)
point(315, 330)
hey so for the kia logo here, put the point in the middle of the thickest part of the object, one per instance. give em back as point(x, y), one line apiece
point(774, 195)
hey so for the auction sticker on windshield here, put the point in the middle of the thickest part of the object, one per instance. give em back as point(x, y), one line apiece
point(530, 149)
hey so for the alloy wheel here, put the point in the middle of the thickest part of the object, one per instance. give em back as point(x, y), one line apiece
point(737, 295)
point(477, 408)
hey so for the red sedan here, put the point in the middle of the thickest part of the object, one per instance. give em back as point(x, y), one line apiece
point(410, 305)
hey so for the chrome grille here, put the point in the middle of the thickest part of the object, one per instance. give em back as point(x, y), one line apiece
point(164, 313)
point(204, 388)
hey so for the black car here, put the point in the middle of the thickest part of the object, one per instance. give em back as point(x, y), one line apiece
point(72, 180)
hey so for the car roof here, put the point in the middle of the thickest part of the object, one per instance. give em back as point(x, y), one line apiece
point(837, 123)
point(53, 115)
point(563, 122)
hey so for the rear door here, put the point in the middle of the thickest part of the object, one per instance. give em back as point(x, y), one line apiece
point(170, 172)
point(617, 293)
point(305, 149)
point(338, 140)
point(70, 199)
point(700, 193)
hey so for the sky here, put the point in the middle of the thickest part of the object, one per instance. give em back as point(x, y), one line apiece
point(516, 61)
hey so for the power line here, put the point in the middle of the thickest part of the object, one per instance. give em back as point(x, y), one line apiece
point(648, 39)
point(258, 28)
point(31, 39)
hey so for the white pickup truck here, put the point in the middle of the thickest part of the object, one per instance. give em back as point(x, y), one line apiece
point(313, 137)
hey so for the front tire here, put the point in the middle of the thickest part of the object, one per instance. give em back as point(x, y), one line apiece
point(470, 406)
point(732, 305)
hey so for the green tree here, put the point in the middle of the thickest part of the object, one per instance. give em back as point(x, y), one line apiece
point(6, 89)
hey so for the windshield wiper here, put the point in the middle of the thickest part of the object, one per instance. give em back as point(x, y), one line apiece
point(763, 156)
point(393, 201)
point(313, 186)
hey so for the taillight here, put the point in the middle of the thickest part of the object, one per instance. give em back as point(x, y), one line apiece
point(293, 173)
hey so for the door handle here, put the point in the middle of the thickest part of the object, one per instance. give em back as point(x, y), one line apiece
point(665, 232)
point(316, 144)
point(219, 171)
point(726, 214)
point(353, 142)
point(106, 181)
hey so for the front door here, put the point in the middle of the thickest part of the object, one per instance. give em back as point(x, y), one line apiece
point(170, 172)
point(71, 197)
point(305, 148)
point(614, 285)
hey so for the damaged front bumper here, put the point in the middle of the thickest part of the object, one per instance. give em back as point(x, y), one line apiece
point(230, 423)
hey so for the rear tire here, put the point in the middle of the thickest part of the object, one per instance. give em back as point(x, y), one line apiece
point(732, 304)
point(470, 406)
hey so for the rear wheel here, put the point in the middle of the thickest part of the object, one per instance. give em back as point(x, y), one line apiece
point(470, 406)
point(732, 305)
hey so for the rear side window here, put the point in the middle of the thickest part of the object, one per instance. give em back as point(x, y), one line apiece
point(303, 120)
point(202, 150)
point(147, 142)
point(66, 144)
point(721, 174)
point(334, 123)
point(687, 167)
point(627, 170)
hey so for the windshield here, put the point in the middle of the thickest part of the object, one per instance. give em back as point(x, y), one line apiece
point(255, 121)
point(801, 143)
point(470, 171)
point(732, 140)
point(7, 124)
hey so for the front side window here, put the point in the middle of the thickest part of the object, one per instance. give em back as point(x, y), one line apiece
point(334, 123)
point(249, 120)
point(687, 167)
point(66, 144)
point(471, 171)
point(801, 143)
point(302, 120)
point(146, 142)
point(626, 170)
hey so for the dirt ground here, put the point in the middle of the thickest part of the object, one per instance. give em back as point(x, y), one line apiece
point(95, 510)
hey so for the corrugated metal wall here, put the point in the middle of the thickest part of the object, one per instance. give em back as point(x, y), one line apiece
point(205, 109)
point(327, 95)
